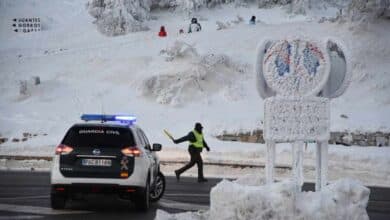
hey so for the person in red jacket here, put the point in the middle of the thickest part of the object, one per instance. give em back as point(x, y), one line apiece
point(162, 32)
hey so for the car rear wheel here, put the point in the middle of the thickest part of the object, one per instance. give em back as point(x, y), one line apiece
point(159, 188)
point(142, 203)
point(57, 201)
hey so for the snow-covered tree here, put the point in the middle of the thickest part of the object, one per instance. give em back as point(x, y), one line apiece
point(190, 6)
point(300, 6)
point(271, 3)
point(368, 10)
point(355, 10)
point(117, 17)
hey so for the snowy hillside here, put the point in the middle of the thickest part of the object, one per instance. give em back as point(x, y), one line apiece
point(173, 82)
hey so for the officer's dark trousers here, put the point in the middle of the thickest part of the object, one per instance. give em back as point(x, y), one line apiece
point(195, 159)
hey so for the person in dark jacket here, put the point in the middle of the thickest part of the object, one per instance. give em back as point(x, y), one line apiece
point(252, 20)
point(197, 143)
point(194, 26)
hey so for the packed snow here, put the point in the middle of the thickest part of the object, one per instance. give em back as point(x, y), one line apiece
point(248, 198)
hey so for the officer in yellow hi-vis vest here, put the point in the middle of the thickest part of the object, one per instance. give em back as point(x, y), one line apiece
point(197, 143)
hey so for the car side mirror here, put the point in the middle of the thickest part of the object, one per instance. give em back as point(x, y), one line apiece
point(156, 147)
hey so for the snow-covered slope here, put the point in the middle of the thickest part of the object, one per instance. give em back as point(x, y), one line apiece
point(82, 71)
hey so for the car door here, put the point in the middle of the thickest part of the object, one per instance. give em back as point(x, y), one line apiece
point(149, 154)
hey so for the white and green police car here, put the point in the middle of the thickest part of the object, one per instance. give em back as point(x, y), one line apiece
point(106, 154)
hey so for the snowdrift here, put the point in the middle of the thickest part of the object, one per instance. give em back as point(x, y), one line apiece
point(249, 200)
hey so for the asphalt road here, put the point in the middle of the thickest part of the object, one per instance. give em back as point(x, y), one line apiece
point(25, 195)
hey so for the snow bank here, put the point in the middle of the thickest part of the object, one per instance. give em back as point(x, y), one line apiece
point(32, 165)
point(162, 215)
point(343, 199)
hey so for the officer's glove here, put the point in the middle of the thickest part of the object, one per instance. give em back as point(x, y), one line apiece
point(208, 149)
point(175, 141)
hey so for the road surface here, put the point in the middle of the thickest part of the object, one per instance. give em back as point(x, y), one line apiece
point(25, 195)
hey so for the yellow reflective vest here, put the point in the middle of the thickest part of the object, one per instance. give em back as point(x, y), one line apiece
point(199, 140)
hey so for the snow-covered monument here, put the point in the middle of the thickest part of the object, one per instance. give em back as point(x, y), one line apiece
point(297, 78)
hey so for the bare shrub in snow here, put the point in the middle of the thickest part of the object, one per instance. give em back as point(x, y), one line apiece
point(225, 25)
point(179, 49)
point(211, 61)
point(118, 17)
point(27, 86)
point(338, 18)
point(205, 75)
point(238, 20)
point(222, 25)
point(23, 87)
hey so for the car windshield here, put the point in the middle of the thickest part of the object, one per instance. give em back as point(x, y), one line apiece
point(93, 136)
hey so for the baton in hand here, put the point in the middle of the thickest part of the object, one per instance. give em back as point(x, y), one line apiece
point(168, 134)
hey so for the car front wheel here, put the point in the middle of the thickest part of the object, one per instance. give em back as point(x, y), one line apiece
point(159, 188)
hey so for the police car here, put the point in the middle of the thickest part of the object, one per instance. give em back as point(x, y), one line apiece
point(106, 154)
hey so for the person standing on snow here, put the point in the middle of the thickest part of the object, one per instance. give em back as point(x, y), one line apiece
point(162, 32)
point(253, 20)
point(197, 143)
point(194, 26)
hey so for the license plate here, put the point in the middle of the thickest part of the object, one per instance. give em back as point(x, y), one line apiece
point(96, 162)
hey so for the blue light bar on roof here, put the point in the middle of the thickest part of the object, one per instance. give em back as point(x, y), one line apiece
point(127, 119)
